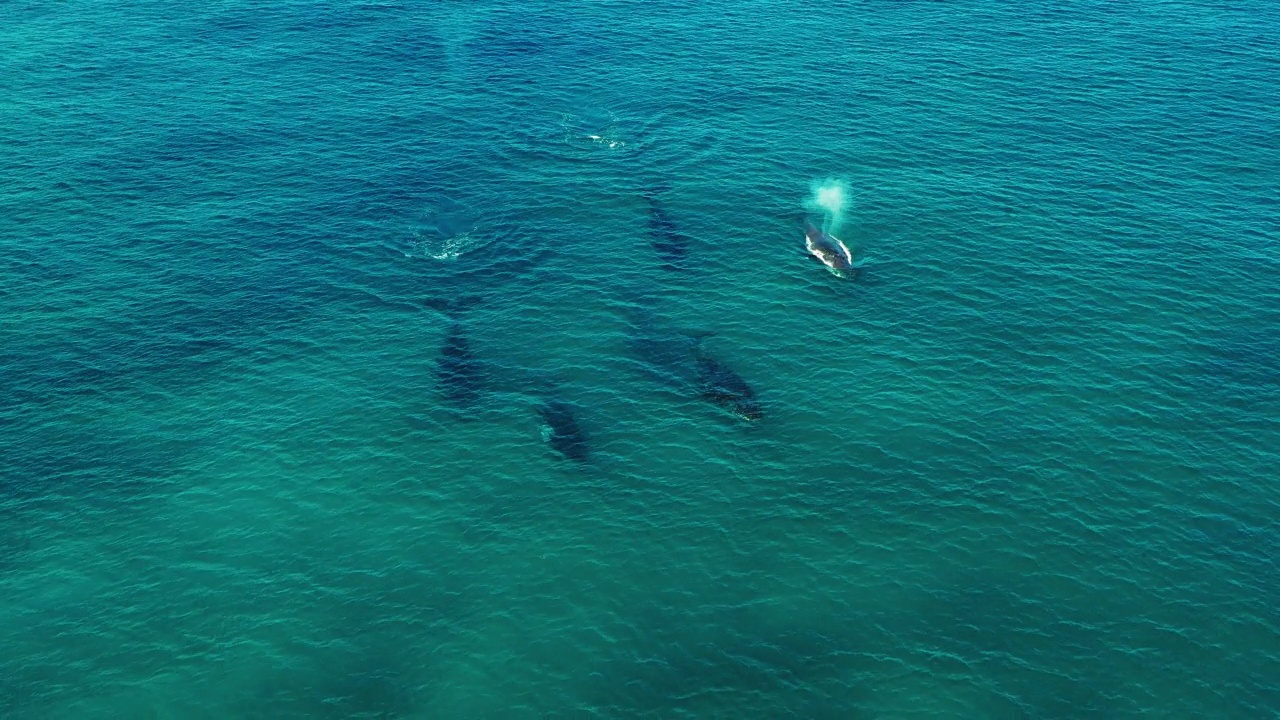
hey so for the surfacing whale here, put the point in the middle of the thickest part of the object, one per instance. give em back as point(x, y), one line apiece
point(828, 249)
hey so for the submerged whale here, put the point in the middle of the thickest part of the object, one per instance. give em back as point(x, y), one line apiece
point(722, 386)
point(827, 248)
point(665, 353)
point(561, 431)
point(671, 244)
point(675, 358)
point(458, 373)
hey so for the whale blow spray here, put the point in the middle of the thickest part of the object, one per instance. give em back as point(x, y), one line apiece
point(829, 197)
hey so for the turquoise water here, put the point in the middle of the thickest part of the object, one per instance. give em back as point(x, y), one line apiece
point(286, 285)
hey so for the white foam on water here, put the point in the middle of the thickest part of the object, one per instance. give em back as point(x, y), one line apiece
point(444, 248)
point(601, 131)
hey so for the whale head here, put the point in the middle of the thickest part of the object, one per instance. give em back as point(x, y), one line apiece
point(827, 248)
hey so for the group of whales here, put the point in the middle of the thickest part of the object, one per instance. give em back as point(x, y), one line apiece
point(675, 358)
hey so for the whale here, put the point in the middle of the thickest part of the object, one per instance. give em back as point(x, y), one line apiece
point(676, 358)
point(719, 384)
point(665, 353)
point(668, 241)
point(828, 249)
point(458, 372)
point(460, 376)
point(561, 431)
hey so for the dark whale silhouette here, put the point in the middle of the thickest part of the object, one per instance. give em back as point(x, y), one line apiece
point(458, 372)
point(561, 431)
point(676, 358)
point(666, 354)
point(719, 384)
point(671, 244)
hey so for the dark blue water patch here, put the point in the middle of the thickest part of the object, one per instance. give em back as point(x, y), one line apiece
point(352, 679)
point(201, 141)
point(329, 17)
point(502, 47)
point(988, 622)
point(30, 268)
point(1246, 544)
point(336, 690)
point(164, 341)
point(1238, 369)
point(406, 52)
point(24, 11)
point(383, 50)
point(674, 667)
point(548, 48)
point(169, 346)
point(319, 20)
point(125, 340)
point(452, 187)
point(42, 376)
point(1253, 364)
point(49, 460)
point(514, 36)
point(235, 24)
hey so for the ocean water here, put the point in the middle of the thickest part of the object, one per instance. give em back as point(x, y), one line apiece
point(356, 355)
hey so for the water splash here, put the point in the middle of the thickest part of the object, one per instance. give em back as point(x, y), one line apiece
point(592, 129)
point(829, 197)
point(449, 229)
point(435, 247)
